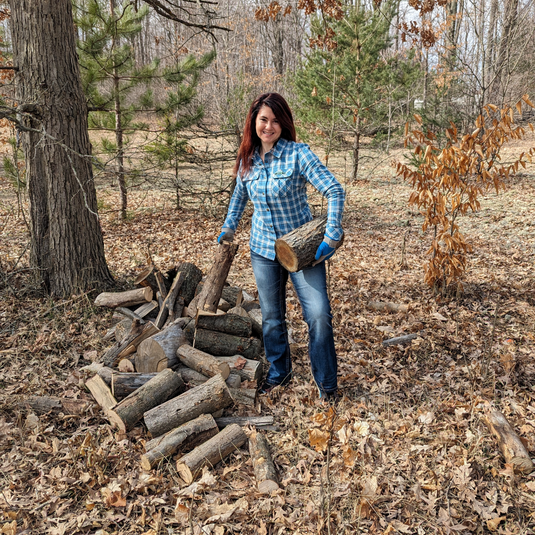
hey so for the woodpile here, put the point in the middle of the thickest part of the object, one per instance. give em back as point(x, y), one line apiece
point(187, 355)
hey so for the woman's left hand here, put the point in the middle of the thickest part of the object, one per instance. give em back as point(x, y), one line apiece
point(324, 252)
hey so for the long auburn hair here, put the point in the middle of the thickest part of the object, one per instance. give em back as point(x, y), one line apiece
point(250, 140)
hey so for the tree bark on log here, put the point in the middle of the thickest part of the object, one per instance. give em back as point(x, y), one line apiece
point(192, 277)
point(387, 306)
point(297, 249)
point(159, 351)
point(226, 345)
point(123, 384)
point(129, 344)
point(256, 317)
point(202, 362)
point(188, 435)
point(244, 396)
point(244, 421)
point(124, 299)
point(193, 377)
point(158, 390)
point(203, 399)
point(211, 452)
point(509, 442)
point(45, 404)
point(264, 469)
point(101, 392)
point(231, 294)
point(210, 294)
point(168, 305)
point(251, 370)
point(405, 339)
point(225, 323)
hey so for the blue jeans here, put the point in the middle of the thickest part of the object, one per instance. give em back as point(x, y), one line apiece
point(311, 287)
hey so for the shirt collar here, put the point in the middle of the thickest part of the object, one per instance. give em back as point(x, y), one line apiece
point(276, 151)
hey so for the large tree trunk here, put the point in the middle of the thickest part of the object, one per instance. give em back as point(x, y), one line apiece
point(67, 246)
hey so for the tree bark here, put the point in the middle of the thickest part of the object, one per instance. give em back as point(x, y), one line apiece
point(211, 452)
point(192, 277)
point(67, 248)
point(207, 398)
point(297, 249)
point(251, 370)
point(158, 390)
point(123, 384)
point(188, 435)
point(226, 345)
point(226, 323)
point(232, 294)
point(124, 299)
point(264, 469)
point(253, 421)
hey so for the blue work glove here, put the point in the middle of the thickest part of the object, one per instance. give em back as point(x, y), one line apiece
point(325, 250)
point(226, 235)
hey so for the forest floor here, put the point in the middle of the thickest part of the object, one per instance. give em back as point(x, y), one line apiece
point(405, 451)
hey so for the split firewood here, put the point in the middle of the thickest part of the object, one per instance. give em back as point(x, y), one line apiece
point(405, 339)
point(223, 306)
point(509, 442)
point(162, 283)
point(264, 468)
point(207, 398)
point(122, 329)
point(123, 384)
point(188, 435)
point(260, 422)
point(123, 325)
point(297, 249)
point(129, 343)
point(250, 305)
point(177, 310)
point(46, 404)
point(244, 396)
point(387, 306)
point(159, 351)
point(226, 345)
point(169, 301)
point(256, 316)
point(210, 294)
point(247, 369)
point(202, 362)
point(233, 381)
point(147, 278)
point(101, 392)
point(124, 299)
point(164, 386)
point(192, 277)
point(211, 452)
point(228, 323)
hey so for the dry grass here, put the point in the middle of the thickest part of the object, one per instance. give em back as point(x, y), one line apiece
point(405, 451)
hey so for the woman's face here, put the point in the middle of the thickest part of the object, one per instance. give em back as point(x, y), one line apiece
point(268, 128)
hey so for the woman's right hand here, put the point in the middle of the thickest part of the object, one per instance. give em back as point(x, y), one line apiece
point(226, 235)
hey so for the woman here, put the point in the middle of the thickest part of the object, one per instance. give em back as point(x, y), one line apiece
point(272, 170)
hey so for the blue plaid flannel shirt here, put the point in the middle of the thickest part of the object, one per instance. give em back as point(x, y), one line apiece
point(277, 188)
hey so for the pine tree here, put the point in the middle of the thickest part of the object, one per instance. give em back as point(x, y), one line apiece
point(347, 82)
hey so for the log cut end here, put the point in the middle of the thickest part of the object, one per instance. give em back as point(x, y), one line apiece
point(116, 421)
point(145, 463)
point(185, 473)
point(268, 486)
point(286, 256)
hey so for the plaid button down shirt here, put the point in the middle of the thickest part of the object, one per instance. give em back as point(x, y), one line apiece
point(277, 188)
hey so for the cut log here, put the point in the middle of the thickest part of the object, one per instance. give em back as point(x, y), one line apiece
point(250, 305)
point(159, 351)
point(509, 442)
point(387, 306)
point(405, 339)
point(256, 316)
point(226, 345)
point(123, 384)
point(250, 370)
point(124, 299)
point(163, 284)
point(297, 249)
point(245, 421)
point(233, 381)
point(147, 278)
point(45, 404)
point(231, 294)
point(169, 301)
point(212, 289)
point(129, 343)
point(141, 311)
point(178, 308)
point(211, 452)
point(155, 392)
point(223, 306)
point(226, 323)
point(192, 277)
point(244, 396)
point(122, 329)
point(207, 398)
point(101, 392)
point(189, 435)
point(202, 362)
point(193, 377)
point(264, 469)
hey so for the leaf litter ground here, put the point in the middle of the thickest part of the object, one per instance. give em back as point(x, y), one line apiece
point(405, 450)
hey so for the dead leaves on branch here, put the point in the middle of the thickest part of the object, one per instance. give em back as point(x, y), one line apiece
point(448, 183)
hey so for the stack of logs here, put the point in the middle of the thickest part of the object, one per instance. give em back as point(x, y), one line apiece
point(186, 349)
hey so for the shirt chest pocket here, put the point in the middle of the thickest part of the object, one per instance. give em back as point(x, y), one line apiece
point(284, 182)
